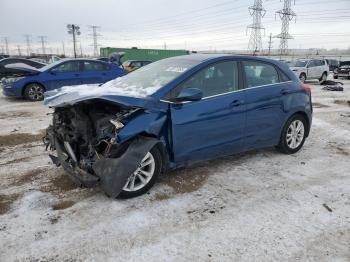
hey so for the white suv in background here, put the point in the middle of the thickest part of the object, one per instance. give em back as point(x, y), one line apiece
point(307, 69)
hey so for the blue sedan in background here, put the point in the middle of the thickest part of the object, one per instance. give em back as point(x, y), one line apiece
point(172, 113)
point(67, 72)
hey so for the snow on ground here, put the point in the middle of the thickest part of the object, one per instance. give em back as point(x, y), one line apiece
point(257, 206)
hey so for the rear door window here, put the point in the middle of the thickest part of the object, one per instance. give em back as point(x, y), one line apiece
point(260, 74)
point(72, 66)
point(94, 66)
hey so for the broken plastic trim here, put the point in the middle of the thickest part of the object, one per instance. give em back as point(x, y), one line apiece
point(114, 172)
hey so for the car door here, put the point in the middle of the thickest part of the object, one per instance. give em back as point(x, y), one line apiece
point(312, 70)
point(65, 74)
point(264, 92)
point(214, 125)
point(94, 72)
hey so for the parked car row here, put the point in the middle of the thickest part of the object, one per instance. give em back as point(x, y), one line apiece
point(31, 82)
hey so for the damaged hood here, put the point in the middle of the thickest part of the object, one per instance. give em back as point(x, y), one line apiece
point(70, 95)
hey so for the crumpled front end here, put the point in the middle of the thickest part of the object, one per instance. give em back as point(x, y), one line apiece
point(84, 139)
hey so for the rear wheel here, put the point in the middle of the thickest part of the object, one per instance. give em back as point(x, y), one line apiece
point(144, 176)
point(293, 135)
point(34, 92)
point(323, 77)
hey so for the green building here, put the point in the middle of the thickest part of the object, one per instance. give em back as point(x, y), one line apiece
point(142, 54)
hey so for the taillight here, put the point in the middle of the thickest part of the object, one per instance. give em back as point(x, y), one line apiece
point(307, 88)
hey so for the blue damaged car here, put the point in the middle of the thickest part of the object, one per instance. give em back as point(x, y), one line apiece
point(31, 83)
point(173, 113)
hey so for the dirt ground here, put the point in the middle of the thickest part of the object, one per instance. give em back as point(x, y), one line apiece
point(257, 206)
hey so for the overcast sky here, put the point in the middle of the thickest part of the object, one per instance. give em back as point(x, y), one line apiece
point(181, 24)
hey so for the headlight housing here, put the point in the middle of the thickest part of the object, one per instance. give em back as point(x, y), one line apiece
point(11, 80)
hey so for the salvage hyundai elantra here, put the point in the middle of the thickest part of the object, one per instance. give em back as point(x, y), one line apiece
point(172, 113)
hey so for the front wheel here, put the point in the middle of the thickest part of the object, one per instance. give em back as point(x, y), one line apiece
point(34, 92)
point(293, 135)
point(144, 176)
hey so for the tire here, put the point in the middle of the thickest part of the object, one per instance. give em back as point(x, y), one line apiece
point(323, 77)
point(302, 77)
point(34, 92)
point(153, 155)
point(286, 145)
point(335, 77)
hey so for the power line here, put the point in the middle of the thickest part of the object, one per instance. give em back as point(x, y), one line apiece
point(286, 14)
point(42, 39)
point(257, 12)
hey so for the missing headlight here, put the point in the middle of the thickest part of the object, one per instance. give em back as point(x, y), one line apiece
point(118, 125)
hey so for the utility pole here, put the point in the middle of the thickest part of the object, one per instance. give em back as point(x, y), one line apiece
point(257, 12)
point(19, 50)
point(164, 46)
point(27, 39)
point(74, 30)
point(286, 14)
point(270, 43)
point(42, 39)
point(95, 34)
point(6, 41)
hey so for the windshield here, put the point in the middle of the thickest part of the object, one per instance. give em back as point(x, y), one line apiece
point(148, 79)
point(298, 63)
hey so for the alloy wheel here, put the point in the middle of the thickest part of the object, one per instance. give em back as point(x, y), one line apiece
point(142, 175)
point(295, 134)
point(35, 92)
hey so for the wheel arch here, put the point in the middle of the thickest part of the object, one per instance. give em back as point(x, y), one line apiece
point(32, 82)
point(306, 117)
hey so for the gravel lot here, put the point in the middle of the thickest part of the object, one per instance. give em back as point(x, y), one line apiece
point(257, 206)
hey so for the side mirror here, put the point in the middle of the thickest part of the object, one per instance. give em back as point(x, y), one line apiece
point(53, 71)
point(189, 94)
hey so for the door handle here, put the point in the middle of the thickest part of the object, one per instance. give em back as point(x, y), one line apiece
point(77, 74)
point(236, 103)
point(284, 92)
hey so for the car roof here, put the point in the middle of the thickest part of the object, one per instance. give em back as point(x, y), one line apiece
point(200, 58)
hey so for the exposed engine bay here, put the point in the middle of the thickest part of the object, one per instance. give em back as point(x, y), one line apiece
point(85, 138)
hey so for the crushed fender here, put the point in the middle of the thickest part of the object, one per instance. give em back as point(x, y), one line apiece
point(114, 173)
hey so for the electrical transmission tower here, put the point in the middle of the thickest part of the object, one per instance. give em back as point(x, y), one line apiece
point(19, 50)
point(270, 43)
point(27, 38)
point(6, 41)
point(95, 34)
point(286, 14)
point(43, 42)
point(257, 12)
